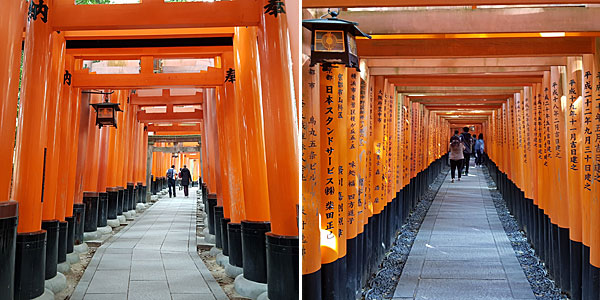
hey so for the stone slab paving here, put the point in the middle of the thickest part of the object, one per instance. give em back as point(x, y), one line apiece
point(461, 250)
point(154, 257)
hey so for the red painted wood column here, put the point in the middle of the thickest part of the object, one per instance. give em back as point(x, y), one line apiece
point(30, 158)
point(252, 148)
point(11, 36)
point(280, 113)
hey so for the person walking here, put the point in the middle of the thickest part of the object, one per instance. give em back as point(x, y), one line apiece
point(454, 136)
point(456, 156)
point(171, 174)
point(479, 147)
point(467, 141)
point(186, 178)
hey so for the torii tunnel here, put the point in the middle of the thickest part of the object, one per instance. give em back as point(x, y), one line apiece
point(207, 85)
point(377, 134)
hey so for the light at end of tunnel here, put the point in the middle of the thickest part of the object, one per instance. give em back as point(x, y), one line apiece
point(552, 34)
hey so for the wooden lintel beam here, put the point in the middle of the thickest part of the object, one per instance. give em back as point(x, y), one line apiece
point(454, 70)
point(402, 3)
point(462, 97)
point(157, 52)
point(165, 99)
point(175, 128)
point(471, 62)
point(176, 149)
point(169, 117)
point(65, 15)
point(475, 47)
point(211, 78)
point(463, 81)
point(173, 138)
point(515, 20)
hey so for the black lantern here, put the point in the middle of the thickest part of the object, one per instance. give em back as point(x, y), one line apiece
point(106, 112)
point(333, 40)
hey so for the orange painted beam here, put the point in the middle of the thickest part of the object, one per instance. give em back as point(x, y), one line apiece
point(402, 3)
point(137, 53)
point(437, 80)
point(475, 47)
point(180, 129)
point(155, 14)
point(166, 98)
point(467, 106)
point(467, 62)
point(212, 77)
point(169, 117)
point(460, 97)
point(149, 33)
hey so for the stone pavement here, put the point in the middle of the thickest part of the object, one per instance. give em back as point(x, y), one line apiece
point(154, 257)
point(461, 250)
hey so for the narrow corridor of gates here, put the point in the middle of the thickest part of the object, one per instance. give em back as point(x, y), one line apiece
point(378, 121)
point(113, 94)
point(461, 250)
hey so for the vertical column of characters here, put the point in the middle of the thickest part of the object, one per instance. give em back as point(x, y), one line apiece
point(311, 183)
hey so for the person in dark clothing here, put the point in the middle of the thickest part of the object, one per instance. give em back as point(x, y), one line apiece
point(186, 178)
point(467, 140)
point(479, 148)
point(171, 174)
point(454, 136)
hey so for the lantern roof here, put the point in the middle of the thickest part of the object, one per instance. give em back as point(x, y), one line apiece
point(334, 23)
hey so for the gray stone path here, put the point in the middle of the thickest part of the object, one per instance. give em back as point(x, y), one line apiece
point(461, 250)
point(153, 258)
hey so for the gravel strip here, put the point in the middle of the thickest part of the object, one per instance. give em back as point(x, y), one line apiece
point(535, 270)
point(382, 284)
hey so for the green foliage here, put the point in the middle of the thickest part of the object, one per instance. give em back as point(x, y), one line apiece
point(79, 2)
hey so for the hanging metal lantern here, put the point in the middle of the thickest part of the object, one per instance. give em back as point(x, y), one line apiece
point(106, 112)
point(333, 40)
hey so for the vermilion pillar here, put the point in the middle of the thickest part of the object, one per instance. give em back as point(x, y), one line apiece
point(11, 22)
point(252, 148)
point(575, 169)
point(30, 158)
point(280, 113)
point(311, 253)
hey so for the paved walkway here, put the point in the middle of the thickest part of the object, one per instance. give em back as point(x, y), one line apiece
point(461, 250)
point(153, 258)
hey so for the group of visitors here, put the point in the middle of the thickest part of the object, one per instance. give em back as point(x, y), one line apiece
point(461, 148)
point(184, 175)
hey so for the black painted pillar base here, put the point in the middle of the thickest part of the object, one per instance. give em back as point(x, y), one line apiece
point(102, 208)
point(311, 285)
point(63, 228)
point(139, 192)
point(234, 237)
point(70, 233)
point(224, 237)
point(282, 266)
point(254, 250)
point(30, 265)
point(594, 282)
point(79, 223)
point(575, 266)
point(331, 285)
point(51, 227)
point(351, 265)
point(8, 243)
point(212, 202)
point(144, 192)
point(120, 198)
point(125, 199)
point(113, 202)
point(90, 200)
point(218, 212)
point(130, 196)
